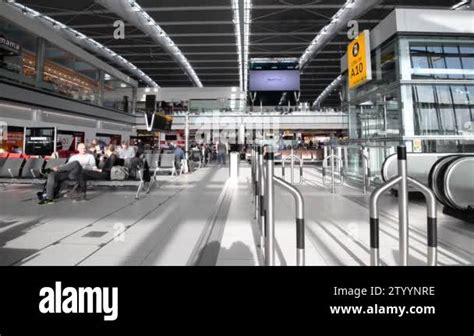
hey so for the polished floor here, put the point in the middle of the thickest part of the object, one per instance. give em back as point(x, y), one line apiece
point(206, 219)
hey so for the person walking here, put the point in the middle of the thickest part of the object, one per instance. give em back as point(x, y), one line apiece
point(221, 153)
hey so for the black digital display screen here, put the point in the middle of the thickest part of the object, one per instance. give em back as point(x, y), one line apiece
point(162, 123)
point(40, 141)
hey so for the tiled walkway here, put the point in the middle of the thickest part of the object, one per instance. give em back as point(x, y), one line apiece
point(206, 219)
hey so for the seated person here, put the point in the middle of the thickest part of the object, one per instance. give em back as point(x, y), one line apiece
point(86, 159)
point(126, 151)
point(103, 173)
point(131, 160)
point(71, 171)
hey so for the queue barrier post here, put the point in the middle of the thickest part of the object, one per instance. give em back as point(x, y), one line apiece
point(332, 158)
point(269, 202)
point(402, 179)
point(365, 168)
point(293, 157)
point(300, 226)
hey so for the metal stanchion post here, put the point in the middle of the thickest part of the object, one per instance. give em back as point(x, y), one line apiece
point(368, 167)
point(402, 180)
point(257, 178)
point(333, 175)
point(261, 214)
point(300, 229)
point(346, 160)
point(270, 223)
point(292, 164)
point(301, 168)
point(340, 162)
point(432, 222)
point(364, 170)
point(283, 160)
point(403, 205)
point(252, 173)
point(374, 220)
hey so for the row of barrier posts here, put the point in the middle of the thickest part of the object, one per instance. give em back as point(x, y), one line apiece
point(330, 160)
point(292, 157)
point(263, 181)
point(341, 168)
point(402, 179)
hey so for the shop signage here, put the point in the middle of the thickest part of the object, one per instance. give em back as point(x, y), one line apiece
point(10, 45)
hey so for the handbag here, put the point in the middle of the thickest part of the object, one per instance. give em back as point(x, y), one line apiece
point(119, 173)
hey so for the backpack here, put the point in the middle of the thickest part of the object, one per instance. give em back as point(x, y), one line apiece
point(118, 173)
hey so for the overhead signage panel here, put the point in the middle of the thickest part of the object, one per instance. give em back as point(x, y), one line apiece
point(359, 60)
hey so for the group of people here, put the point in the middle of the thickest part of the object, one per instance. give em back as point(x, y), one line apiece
point(92, 162)
point(204, 153)
point(95, 161)
point(125, 151)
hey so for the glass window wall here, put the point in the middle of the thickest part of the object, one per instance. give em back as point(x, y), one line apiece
point(442, 60)
point(443, 109)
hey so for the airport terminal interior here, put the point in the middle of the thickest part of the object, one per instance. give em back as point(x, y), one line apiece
point(236, 133)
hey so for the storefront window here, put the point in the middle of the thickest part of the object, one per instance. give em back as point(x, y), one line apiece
point(63, 73)
point(16, 47)
point(68, 76)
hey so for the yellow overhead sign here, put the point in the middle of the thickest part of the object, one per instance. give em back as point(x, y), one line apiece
point(359, 63)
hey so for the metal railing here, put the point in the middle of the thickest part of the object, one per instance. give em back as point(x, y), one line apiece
point(402, 179)
point(332, 159)
point(263, 180)
point(292, 158)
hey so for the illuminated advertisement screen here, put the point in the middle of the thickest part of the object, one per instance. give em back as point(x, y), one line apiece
point(274, 80)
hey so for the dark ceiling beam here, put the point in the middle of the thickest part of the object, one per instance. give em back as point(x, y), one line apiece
point(198, 45)
point(276, 34)
point(200, 74)
point(212, 8)
point(212, 23)
point(153, 61)
point(196, 68)
point(336, 52)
